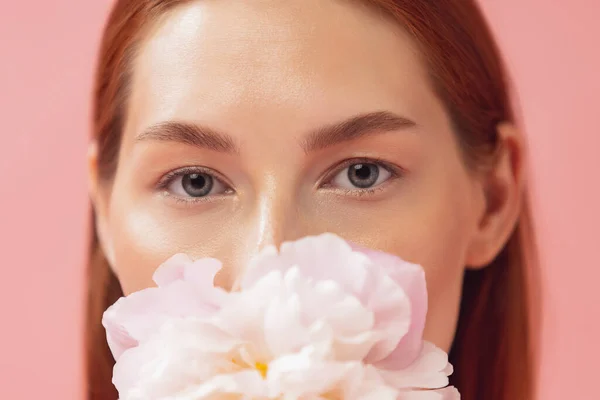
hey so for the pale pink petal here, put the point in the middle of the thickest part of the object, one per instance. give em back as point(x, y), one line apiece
point(347, 317)
point(429, 371)
point(301, 374)
point(247, 384)
point(244, 314)
point(321, 340)
point(374, 387)
point(378, 392)
point(327, 300)
point(180, 352)
point(413, 282)
point(284, 330)
point(186, 289)
point(265, 262)
point(353, 348)
point(172, 270)
point(392, 311)
point(374, 390)
point(318, 257)
point(447, 393)
point(343, 311)
point(133, 318)
point(411, 278)
point(199, 274)
point(327, 257)
point(121, 315)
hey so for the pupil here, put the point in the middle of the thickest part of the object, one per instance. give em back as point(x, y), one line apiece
point(363, 175)
point(363, 172)
point(197, 185)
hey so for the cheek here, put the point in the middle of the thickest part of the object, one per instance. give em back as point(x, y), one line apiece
point(439, 241)
point(142, 242)
point(145, 235)
point(431, 225)
point(432, 235)
point(444, 269)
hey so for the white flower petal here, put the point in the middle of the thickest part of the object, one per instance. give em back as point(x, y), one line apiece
point(447, 393)
point(301, 374)
point(429, 371)
point(284, 331)
point(182, 351)
point(240, 385)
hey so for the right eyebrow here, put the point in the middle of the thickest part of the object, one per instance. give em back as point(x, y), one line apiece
point(191, 134)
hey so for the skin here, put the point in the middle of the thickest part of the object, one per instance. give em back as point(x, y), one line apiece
point(268, 74)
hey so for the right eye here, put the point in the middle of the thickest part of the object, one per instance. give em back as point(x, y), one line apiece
point(194, 184)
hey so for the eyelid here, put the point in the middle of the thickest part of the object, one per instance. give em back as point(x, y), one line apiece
point(395, 170)
point(167, 178)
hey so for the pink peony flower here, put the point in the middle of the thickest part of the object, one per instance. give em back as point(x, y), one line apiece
point(185, 288)
point(315, 320)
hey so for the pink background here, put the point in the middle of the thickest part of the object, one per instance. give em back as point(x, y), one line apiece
point(47, 56)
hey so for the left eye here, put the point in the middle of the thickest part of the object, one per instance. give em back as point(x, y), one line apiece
point(361, 176)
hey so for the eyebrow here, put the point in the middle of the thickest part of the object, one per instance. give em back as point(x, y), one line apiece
point(355, 128)
point(192, 134)
point(208, 138)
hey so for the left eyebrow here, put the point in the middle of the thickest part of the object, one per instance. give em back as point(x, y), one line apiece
point(355, 128)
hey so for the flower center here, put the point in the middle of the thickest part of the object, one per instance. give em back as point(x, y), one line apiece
point(262, 368)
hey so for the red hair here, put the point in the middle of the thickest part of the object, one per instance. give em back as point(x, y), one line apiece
point(492, 352)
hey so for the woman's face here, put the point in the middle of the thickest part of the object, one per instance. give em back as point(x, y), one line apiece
point(251, 123)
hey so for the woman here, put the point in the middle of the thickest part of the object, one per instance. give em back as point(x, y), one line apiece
point(223, 126)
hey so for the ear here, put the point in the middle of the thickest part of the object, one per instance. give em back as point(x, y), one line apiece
point(99, 195)
point(503, 186)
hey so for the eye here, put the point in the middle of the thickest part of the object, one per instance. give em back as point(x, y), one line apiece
point(361, 175)
point(194, 184)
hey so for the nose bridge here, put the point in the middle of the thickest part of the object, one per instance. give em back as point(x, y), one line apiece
point(270, 221)
point(273, 218)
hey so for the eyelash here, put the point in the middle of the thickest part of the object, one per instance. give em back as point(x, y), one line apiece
point(169, 177)
point(395, 171)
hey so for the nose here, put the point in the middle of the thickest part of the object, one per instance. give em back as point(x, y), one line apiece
point(271, 224)
point(272, 220)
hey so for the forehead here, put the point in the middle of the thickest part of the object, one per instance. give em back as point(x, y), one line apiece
point(308, 60)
